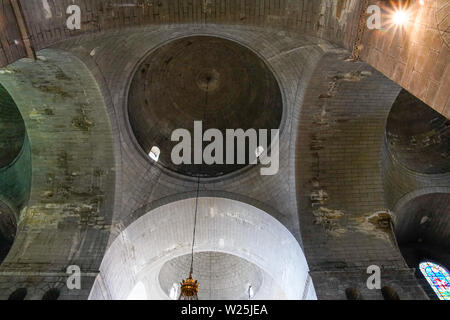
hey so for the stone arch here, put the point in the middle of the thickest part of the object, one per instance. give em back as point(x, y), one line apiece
point(415, 150)
point(420, 192)
point(15, 169)
point(423, 216)
point(418, 137)
point(8, 229)
point(15, 158)
point(72, 155)
point(229, 227)
point(12, 129)
point(338, 174)
point(332, 22)
point(421, 226)
point(202, 194)
point(290, 58)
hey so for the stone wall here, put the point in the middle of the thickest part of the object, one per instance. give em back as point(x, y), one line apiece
point(344, 222)
point(415, 55)
point(67, 219)
point(144, 184)
point(417, 183)
point(328, 194)
point(331, 20)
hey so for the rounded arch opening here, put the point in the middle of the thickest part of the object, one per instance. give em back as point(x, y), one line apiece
point(8, 229)
point(422, 231)
point(437, 278)
point(18, 294)
point(353, 294)
point(389, 293)
point(15, 169)
point(418, 137)
point(226, 229)
point(52, 294)
point(12, 129)
point(424, 218)
point(221, 276)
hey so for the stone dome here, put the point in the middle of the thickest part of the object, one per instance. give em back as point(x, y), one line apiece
point(215, 80)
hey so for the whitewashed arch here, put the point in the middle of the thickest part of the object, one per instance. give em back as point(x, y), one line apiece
point(224, 225)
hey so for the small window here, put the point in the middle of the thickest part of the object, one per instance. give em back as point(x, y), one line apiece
point(259, 151)
point(438, 278)
point(19, 294)
point(353, 294)
point(52, 294)
point(389, 293)
point(250, 292)
point(154, 154)
point(174, 292)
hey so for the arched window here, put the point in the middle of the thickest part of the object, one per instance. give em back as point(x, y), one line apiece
point(353, 294)
point(19, 294)
point(174, 292)
point(389, 293)
point(438, 278)
point(52, 294)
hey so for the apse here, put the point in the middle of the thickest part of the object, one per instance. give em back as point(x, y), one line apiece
point(240, 253)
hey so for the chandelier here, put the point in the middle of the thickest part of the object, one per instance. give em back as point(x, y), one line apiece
point(189, 287)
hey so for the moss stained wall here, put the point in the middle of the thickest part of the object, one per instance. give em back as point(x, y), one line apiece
point(344, 222)
point(67, 219)
point(15, 179)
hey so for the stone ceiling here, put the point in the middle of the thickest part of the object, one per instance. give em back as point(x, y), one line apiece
point(418, 137)
point(201, 78)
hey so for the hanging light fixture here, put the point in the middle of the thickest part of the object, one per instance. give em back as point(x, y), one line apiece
point(189, 287)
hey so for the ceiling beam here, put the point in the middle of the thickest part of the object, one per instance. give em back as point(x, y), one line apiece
point(17, 8)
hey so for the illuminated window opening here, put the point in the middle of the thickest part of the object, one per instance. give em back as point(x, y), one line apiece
point(138, 293)
point(154, 154)
point(174, 292)
point(438, 278)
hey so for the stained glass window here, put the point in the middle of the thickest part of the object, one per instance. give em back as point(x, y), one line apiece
point(438, 278)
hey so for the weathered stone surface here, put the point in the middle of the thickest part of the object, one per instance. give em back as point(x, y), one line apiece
point(337, 190)
point(72, 174)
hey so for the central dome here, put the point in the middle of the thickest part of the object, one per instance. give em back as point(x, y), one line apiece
point(217, 81)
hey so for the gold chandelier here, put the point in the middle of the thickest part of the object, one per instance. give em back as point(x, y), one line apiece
point(189, 287)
